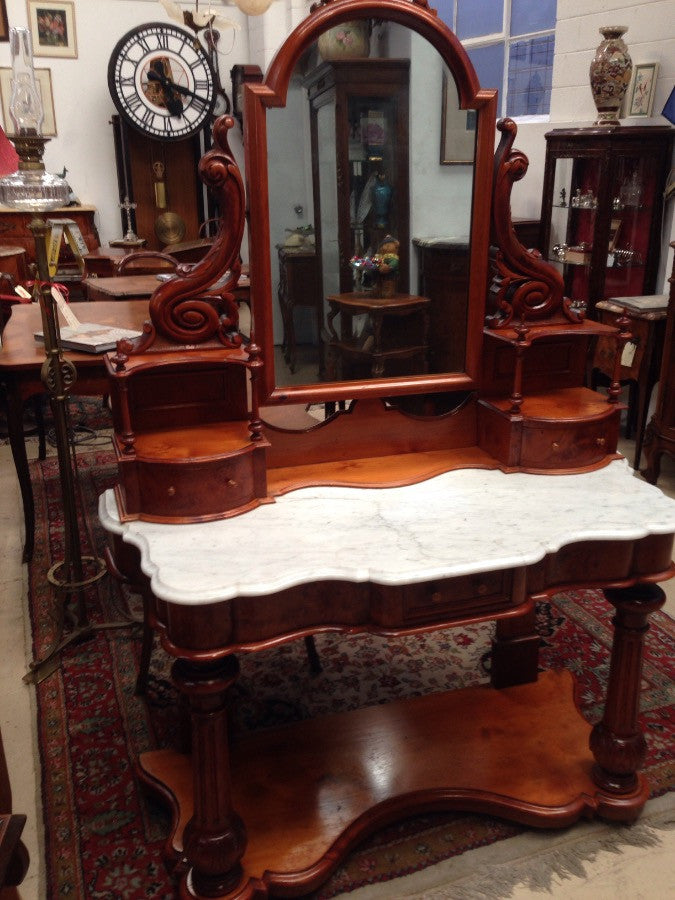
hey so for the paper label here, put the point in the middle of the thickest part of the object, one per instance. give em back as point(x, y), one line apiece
point(64, 309)
point(628, 354)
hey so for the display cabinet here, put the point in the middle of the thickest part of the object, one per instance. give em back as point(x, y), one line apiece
point(602, 208)
point(359, 138)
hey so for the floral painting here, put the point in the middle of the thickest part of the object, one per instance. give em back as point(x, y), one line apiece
point(53, 28)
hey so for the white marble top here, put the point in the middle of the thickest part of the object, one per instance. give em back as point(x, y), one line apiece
point(463, 522)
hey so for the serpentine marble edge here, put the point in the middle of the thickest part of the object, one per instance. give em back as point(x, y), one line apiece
point(463, 522)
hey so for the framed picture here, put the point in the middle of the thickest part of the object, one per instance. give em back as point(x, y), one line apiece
point(458, 128)
point(4, 24)
point(641, 89)
point(52, 27)
point(43, 77)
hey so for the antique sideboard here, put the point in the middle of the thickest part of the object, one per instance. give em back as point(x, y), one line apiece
point(416, 501)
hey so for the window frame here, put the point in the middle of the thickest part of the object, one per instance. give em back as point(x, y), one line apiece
point(507, 39)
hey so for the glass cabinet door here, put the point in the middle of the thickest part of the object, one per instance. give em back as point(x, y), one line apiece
point(373, 172)
point(601, 209)
point(633, 194)
point(573, 222)
point(368, 99)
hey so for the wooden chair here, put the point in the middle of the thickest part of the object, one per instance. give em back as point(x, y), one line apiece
point(146, 262)
point(189, 251)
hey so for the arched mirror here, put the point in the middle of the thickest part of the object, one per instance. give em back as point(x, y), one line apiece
point(369, 158)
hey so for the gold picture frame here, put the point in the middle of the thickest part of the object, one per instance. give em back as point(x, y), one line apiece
point(43, 78)
point(52, 27)
point(458, 128)
point(4, 24)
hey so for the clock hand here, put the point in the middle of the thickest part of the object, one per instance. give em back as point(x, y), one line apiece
point(173, 104)
point(166, 82)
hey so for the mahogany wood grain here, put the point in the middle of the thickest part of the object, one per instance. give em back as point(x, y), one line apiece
point(336, 778)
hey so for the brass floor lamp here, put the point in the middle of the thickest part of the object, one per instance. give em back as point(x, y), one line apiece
point(32, 189)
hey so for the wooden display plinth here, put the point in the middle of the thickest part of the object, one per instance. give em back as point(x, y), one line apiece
point(308, 792)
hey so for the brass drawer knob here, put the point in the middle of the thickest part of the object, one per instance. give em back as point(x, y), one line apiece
point(171, 491)
point(555, 445)
point(231, 482)
point(600, 441)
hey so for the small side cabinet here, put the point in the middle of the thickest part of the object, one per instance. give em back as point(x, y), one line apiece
point(298, 286)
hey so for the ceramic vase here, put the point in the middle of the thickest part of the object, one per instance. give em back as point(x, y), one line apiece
point(346, 41)
point(610, 74)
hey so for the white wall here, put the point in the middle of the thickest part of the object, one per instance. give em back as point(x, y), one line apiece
point(650, 38)
point(83, 105)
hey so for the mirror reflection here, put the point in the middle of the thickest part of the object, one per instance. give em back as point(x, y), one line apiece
point(370, 214)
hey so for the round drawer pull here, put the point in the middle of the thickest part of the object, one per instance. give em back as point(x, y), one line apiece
point(171, 491)
point(600, 442)
point(231, 482)
point(555, 445)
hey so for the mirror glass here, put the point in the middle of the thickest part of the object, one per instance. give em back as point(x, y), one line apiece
point(370, 168)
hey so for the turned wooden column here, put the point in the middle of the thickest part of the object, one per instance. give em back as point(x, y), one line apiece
point(617, 743)
point(214, 839)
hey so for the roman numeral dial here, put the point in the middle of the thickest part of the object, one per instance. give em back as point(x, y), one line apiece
point(162, 82)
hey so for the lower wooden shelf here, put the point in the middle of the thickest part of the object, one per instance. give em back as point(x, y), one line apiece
point(308, 792)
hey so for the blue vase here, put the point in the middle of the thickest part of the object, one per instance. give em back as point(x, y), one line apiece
point(382, 201)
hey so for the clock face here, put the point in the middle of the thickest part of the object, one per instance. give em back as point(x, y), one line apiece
point(161, 81)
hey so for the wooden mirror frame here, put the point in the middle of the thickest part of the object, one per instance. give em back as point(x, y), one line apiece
point(419, 17)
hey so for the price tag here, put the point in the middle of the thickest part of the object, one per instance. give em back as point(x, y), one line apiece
point(64, 309)
point(628, 354)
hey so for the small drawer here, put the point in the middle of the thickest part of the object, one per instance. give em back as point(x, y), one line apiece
point(566, 446)
point(460, 597)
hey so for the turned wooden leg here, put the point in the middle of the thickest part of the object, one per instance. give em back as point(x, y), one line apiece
point(515, 649)
point(214, 839)
point(616, 741)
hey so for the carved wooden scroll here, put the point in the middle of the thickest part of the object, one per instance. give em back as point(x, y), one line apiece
point(197, 308)
point(524, 287)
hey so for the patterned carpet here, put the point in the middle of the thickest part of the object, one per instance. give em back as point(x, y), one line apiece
point(104, 835)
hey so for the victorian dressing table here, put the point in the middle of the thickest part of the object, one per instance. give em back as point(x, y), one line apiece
point(243, 533)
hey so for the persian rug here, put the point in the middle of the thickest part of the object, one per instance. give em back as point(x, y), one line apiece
point(104, 834)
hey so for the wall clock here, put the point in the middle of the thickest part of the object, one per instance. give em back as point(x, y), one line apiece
point(162, 82)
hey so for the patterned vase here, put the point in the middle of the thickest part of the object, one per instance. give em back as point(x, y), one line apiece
point(610, 73)
point(346, 41)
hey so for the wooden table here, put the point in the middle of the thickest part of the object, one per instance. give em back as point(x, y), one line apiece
point(137, 287)
point(122, 287)
point(276, 811)
point(21, 359)
point(407, 336)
